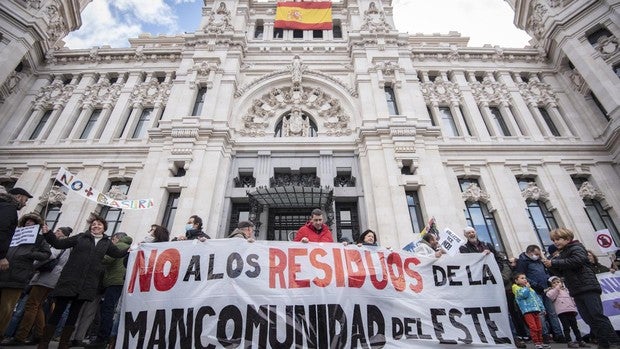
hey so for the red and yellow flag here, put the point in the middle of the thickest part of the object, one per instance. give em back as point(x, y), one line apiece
point(304, 15)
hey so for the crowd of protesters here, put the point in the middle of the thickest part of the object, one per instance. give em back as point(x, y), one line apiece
point(62, 285)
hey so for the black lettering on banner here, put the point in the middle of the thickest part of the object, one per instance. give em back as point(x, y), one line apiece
point(438, 326)
point(421, 334)
point(451, 274)
point(376, 339)
point(305, 327)
point(210, 275)
point(234, 258)
point(397, 328)
point(200, 314)
point(135, 328)
point(158, 331)
point(184, 328)
point(487, 275)
point(408, 329)
point(442, 276)
point(492, 326)
point(439, 275)
point(453, 314)
point(469, 278)
point(252, 260)
point(336, 315)
point(321, 319)
point(273, 327)
point(229, 313)
point(193, 269)
point(258, 319)
point(474, 312)
point(357, 329)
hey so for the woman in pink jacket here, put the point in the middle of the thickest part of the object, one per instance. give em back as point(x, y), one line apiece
point(567, 311)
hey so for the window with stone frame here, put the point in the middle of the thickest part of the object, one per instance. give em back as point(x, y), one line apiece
point(390, 98)
point(114, 215)
point(42, 121)
point(415, 211)
point(172, 204)
point(337, 29)
point(259, 29)
point(90, 124)
point(542, 218)
point(595, 207)
point(200, 101)
point(597, 34)
point(143, 123)
point(547, 118)
point(477, 213)
point(447, 122)
point(500, 123)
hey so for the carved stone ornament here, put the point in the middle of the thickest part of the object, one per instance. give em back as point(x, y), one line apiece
point(534, 193)
point(607, 46)
point(279, 100)
point(10, 84)
point(490, 91)
point(536, 92)
point(102, 93)
point(34, 4)
point(55, 94)
point(577, 82)
point(295, 124)
point(56, 27)
point(534, 24)
point(297, 69)
point(116, 193)
point(219, 20)
point(473, 193)
point(151, 93)
point(56, 196)
point(204, 68)
point(588, 191)
point(374, 20)
point(441, 91)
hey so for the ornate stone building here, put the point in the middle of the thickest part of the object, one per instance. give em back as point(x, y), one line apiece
point(383, 129)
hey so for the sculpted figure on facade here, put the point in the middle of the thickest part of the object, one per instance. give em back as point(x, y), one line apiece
point(56, 27)
point(219, 20)
point(490, 91)
point(295, 124)
point(533, 192)
point(374, 20)
point(441, 91)
point(607, 46)
point(297, 69)
point(588, 191)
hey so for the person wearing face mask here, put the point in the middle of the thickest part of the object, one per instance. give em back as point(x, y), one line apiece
point(193, 230)
point(79, 280)
point(531, 264)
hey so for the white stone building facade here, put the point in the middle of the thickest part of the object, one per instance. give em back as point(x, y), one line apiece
point(383, 129)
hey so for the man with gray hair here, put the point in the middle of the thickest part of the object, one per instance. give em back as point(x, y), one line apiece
point(314, 230)
point(474, 245)
point(244, 230)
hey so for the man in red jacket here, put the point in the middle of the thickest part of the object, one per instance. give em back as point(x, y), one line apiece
point(314, 230)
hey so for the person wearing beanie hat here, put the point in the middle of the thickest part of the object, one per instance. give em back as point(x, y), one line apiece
point(43, 282)
point(10, 202)
point(567, 311)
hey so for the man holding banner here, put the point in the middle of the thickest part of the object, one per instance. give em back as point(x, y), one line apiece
point(10, 203)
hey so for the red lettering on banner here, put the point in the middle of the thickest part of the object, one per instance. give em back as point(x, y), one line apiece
point(418, 286)
point(294, 268)
point(338, 267)
point(146, 274)
point(276, 269)
point(398, 281)
point(356, 277)
point(322, 266)
point(379, 285)
point(164, 282)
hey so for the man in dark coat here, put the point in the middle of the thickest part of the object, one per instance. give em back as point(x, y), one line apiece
point(530, 263)
point(474, 245)
point(193, 230)
point(10, 203)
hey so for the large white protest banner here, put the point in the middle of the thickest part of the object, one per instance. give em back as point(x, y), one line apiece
point(25, 235)
point(80, 187)
point(266, 294)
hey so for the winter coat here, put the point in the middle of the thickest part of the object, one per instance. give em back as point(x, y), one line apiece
point(114, 269)
point(308, 231)
point(598, 268)
point(535, 272)
point(195, 234)
point(424, 249)
point(8, 221)
point(527, 299)
point(237, 234)
point(81, 275)
point(20, 259)
point(572, 265)
point(49, 279)
point(562, 301)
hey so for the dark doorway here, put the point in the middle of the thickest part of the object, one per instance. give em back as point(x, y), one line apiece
point(284, 222)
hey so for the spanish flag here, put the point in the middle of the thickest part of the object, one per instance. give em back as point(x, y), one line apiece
point(304, 15)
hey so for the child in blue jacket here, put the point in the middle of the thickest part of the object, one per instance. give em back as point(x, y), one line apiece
point(531, 306)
